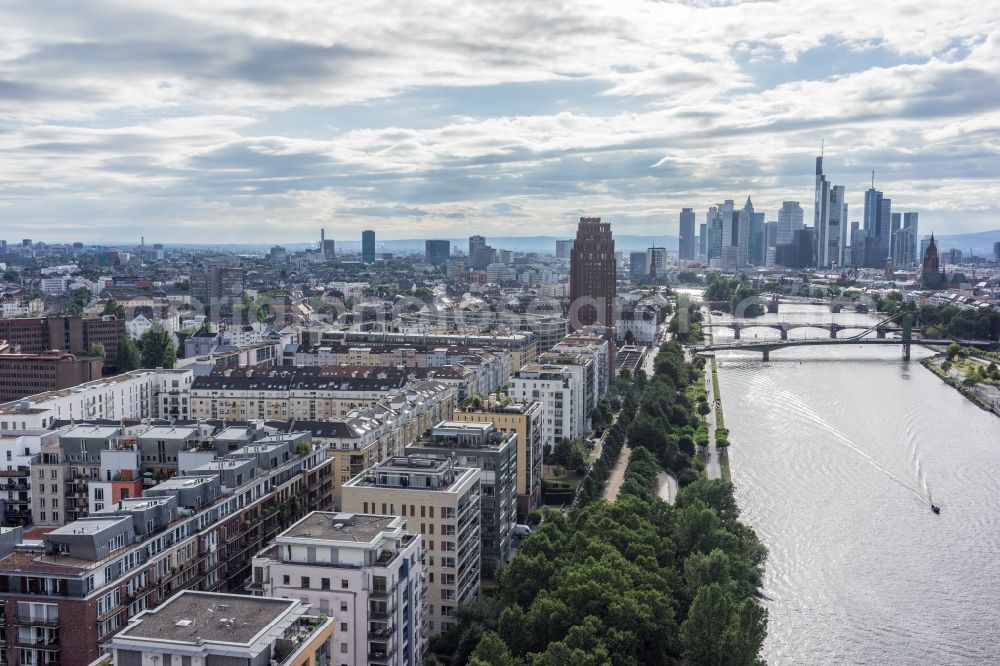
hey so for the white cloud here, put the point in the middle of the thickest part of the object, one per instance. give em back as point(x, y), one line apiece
point(157, 114)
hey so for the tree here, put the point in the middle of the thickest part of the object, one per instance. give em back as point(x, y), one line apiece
point(492, 651)
point(79, 299)
point(97, 349)
point(127, 357)
point(113, 307)
point(719, 630)
point(157, 347)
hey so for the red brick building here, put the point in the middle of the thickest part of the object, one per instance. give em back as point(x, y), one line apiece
point(22, 375)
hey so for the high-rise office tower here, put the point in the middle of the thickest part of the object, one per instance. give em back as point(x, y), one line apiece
point(436, 252)
point(686, 242)
point(878, 226)
point(741, 234)
point(829, 220)
point(563, 249)
point(910, 223)
point(368, 246)
point(756, 242)
point(476, 242)
point(592, 274)
point(637, 266)
point(702, 239)
point(790, 220)
point(481, 255)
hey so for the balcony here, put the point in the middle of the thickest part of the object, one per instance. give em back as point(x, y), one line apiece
point(381, 630)
point(50, 645)
point(28, 621)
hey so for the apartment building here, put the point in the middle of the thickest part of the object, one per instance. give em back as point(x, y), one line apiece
point(482, 446)
point(595, 346)
point(236, 630)
point(584, 371)
point(556, 387)
point(363, 571)
point(525, 420)
point(313, 394)
point(140, 394)
point(88, 578)
point(440, 499)
point(17, 448)
point(523, 346)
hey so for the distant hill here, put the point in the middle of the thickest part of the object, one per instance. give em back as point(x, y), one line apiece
point(980, 243)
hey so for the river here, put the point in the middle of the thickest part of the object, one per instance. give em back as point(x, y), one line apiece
point(837, 453)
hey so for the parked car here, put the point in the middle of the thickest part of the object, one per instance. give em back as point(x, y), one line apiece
point(522, 530)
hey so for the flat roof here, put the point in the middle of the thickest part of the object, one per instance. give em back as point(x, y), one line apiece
point(89, 431)
point(353, 527)
point(87, 526)
point(182, 482)
point(193, 617)
point(168, 432)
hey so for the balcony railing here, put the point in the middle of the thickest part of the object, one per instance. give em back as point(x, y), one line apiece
point(37, 621)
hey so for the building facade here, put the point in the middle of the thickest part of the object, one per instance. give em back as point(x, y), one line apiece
point(442, 500)
point(365, 572)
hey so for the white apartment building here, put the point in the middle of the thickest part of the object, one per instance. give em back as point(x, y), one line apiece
point(364, 571)
point(556, 388)
point(138, 394)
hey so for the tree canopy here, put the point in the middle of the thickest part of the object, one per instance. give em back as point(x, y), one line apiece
point(157, 348)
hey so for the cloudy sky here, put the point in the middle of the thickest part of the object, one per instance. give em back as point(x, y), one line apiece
point(237, 121)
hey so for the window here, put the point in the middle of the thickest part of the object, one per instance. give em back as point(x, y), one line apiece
point(286, 580)
point(344, 584)
point(343, 605)
point(305, 582)
point(343, 648)
point(325, 583)
point(343, 627)
point(52, 475)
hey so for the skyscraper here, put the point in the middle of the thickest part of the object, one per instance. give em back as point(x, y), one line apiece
point(592, 274)
point(741, 234)
point(686, 243)
point(790, 220)
point(563, 249)
point(757, 241)
point(829, 220)
point(878, 226)
point(368, 246)
point(910, 224)
point(702, 239)
point(436, 252)
point(481, 255)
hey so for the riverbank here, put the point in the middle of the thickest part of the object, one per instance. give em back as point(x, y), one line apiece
point(719, 455)
point(972, 393)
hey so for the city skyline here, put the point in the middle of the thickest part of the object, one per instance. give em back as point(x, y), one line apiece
point(271, 124)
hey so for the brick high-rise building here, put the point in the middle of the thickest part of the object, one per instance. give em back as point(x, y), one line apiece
point(70, 334)
point(592, 274)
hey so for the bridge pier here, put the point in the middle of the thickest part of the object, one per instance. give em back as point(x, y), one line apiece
point(767, 354)
point(784, 333)
point(833, 331)
point(880, 333)
point(736, 332)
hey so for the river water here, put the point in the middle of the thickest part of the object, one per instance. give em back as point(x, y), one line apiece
point(837, 453)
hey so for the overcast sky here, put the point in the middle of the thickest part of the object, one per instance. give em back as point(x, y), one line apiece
point(232, 121)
